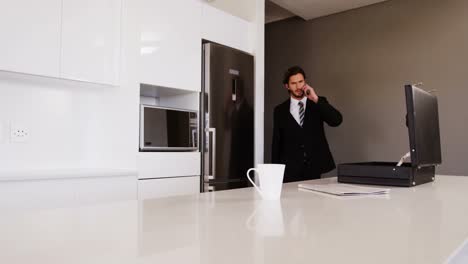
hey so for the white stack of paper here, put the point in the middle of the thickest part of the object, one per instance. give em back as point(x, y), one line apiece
point(343, 189)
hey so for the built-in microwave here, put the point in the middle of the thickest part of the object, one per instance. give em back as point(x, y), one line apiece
point(168, 129)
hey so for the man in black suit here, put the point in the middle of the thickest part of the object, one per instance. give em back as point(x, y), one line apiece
point(299, 139)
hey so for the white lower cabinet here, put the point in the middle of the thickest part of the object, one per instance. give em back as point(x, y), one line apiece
point(153, 165)
point(165, 187)
point(56, 193)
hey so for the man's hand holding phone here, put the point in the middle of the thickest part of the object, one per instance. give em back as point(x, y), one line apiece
point(310, 93)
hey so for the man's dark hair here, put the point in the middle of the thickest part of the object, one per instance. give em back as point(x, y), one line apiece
point(292, 71)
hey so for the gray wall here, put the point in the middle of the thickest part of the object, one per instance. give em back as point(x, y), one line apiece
point(361, 59)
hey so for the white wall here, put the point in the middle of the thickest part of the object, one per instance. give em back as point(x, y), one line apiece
point(71, 124)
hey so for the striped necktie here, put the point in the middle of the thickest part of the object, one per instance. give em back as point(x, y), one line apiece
point(301, 112)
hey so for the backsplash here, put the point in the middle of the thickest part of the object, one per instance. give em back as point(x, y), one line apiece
point(70, 124)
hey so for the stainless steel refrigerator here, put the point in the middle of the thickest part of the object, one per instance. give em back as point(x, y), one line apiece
point(226, 118)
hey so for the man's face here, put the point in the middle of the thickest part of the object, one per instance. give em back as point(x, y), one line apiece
point(295, 85)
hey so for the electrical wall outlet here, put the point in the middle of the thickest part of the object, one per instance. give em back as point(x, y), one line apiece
point(19, 133)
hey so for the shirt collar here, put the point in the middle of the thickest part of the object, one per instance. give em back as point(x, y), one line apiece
point(294, 101)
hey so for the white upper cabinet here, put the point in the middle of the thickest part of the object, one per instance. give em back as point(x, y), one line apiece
point(170, 43)
point(91, 40)
point(30, 32)
point(226, 29)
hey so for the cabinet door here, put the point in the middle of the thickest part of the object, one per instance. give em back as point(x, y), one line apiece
point(54, 193)
point(153, 165)
point(239, 35)
point(156, 188)
point(30, 31)
point(170, 43)
point(91, 40)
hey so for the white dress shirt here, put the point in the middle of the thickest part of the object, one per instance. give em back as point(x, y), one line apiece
point(294, 108)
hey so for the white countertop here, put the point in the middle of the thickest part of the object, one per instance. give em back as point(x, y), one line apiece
point(423, 224)
point(48, 174)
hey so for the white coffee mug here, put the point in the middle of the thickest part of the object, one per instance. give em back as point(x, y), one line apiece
point(270, 178)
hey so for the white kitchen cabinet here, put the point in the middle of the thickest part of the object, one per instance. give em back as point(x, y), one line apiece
point(170, 43)
point(30, 33)
point(56, 193)
point(157, 188)
point(153, 165)
point(91, 32)
point(226, 29)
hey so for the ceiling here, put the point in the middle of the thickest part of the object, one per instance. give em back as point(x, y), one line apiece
point(310, 9)
point(244, 9)
point(274, 12)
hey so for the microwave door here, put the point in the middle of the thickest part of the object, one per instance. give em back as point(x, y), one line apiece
point(155, 131)
point(165, 129)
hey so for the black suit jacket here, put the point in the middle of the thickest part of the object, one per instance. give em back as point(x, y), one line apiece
point(304, 150)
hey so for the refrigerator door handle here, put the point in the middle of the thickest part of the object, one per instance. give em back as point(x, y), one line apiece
point(212, 152)
point(234, 90)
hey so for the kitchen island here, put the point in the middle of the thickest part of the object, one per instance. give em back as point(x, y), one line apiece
point(424, 224)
